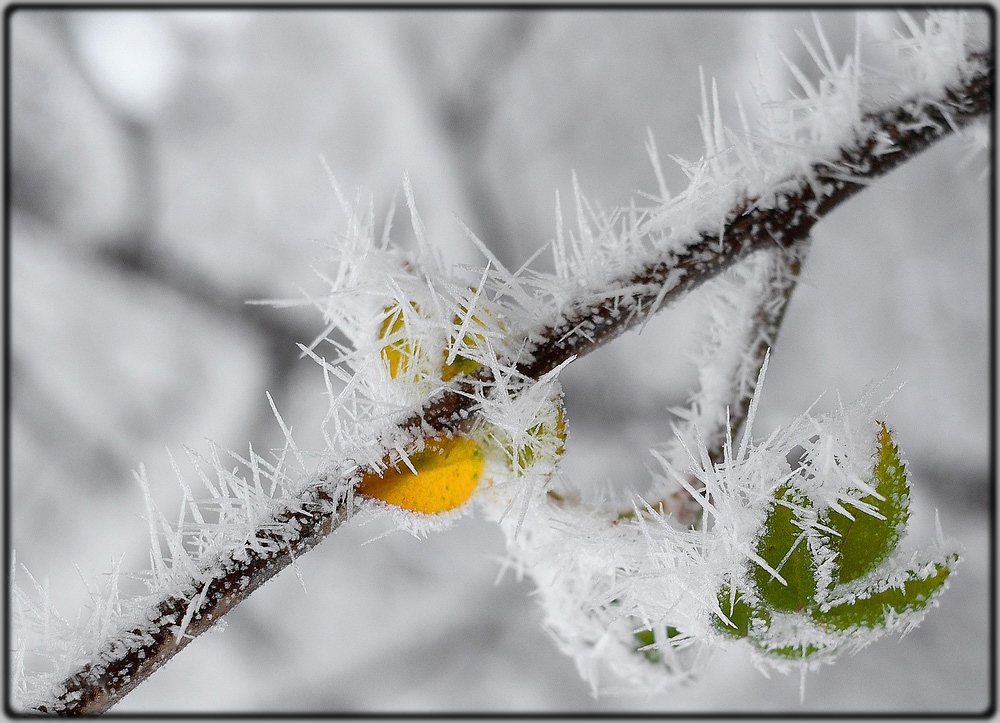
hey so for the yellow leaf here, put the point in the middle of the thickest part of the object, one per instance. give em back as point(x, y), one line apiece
point(448, 470)
point(476, 329)
point(461, 365)
point(400, 353)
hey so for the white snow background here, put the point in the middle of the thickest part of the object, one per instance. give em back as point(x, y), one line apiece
point(166, 168)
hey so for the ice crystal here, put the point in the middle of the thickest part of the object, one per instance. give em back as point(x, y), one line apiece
point(937, 52)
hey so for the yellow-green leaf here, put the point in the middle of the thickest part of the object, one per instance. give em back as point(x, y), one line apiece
point(461, 365)
point(537, 437)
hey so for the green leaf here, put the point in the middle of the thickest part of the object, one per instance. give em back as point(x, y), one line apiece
point(741, 612)
point(867, 540)
point(646, 637)
point(870, 611)
point(539, 441)
point(792, 652)
point(779, 537)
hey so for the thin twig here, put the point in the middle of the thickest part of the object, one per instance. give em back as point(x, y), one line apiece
point(127, 660)
point(767, 317)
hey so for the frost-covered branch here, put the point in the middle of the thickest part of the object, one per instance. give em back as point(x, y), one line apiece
point(210, 567)
point(882, 141)
point(461, 374)
point(744, 317)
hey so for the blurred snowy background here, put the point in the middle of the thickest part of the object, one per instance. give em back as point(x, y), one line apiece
point(166, 168)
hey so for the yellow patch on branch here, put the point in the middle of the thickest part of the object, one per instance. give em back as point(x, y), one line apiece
point(448, 470)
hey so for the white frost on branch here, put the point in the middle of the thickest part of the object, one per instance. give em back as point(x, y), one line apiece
point(756, 163)
point(936, 53)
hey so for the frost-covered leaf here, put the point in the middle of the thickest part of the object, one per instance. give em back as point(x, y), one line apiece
point(447, 472)
point(908, 595)
point(785, 548)
point(742, 613)
point(461, 365)
point(867, 540)
point(530, 431)
point(469, 331)
point(401, 350)
point(538, 436)
point(794, 652)
point(646, 639)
